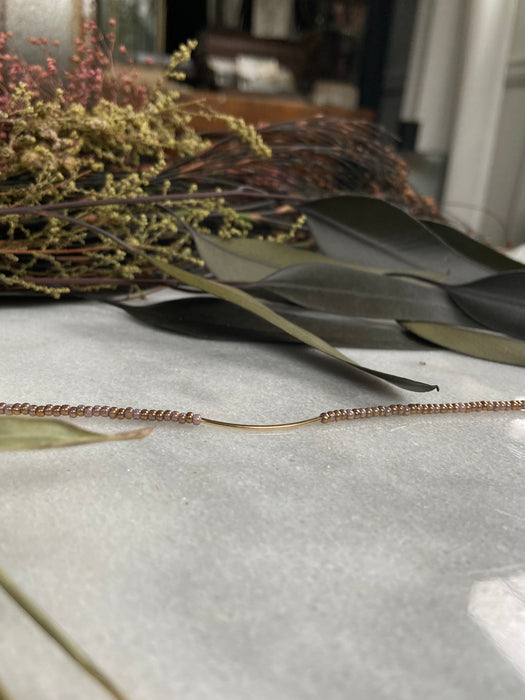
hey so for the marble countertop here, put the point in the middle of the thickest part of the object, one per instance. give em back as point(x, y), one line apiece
point(365, 560)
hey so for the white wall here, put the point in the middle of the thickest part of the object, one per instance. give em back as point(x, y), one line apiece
point(466, 91)
point(434, 72)
point(505, 221)
point(478, 110)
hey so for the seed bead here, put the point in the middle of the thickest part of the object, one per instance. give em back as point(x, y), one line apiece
point(195, 419)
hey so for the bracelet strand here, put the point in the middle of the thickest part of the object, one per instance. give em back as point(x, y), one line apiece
point(189, 417)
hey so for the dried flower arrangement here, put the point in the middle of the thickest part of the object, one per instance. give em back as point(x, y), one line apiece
point(106, 184)
point(96, 139)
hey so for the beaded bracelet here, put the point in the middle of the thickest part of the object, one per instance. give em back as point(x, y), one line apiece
point(189, 417)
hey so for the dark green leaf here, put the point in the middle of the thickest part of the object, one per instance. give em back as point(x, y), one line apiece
point(251, 259)
point(244, 300)
point(497, 302)
point(490, 258)
point(477, 343)
point(361, 229)
point(211, 318)
point(340, 290)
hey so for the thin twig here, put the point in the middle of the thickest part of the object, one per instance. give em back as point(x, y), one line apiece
point(32, 210)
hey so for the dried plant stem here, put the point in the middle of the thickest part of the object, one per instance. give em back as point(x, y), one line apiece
point(104, 282)
point(52, 629)
point(248, 192)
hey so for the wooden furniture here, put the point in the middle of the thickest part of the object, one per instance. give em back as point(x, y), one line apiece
point(254, 108)
point(261, 109)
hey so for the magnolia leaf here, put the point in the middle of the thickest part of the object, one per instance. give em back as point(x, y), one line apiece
point(477, 343)
point(356, 293)
point(212, 318)
point(497, 302)
point(253, 305)
point(491, 259)
point(25, 433)
point(359, 229)
point(251, 259)
point(246, 301)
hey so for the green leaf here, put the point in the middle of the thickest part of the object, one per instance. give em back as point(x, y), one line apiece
point(486, 256)
point(26, 433)
point(212, 318)
point(361, 229)
point(356, 293)
point(244, 300)
point(497, 302)
point(476, 343)
point(251, 259)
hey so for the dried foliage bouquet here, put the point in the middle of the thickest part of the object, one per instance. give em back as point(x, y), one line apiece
point(127, 160)
point(107, 184)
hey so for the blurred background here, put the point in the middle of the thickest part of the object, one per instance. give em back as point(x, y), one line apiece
point(446, 78)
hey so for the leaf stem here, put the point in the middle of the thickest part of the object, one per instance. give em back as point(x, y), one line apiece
point(54, 631)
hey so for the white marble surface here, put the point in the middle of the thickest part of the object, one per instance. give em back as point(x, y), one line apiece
point(367, 560)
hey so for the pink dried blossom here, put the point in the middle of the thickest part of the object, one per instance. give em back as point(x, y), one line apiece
point(92, 77)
